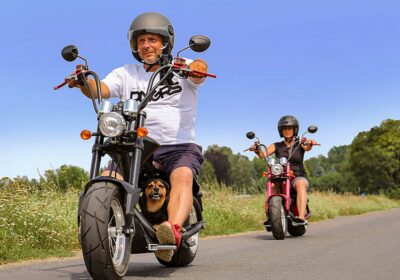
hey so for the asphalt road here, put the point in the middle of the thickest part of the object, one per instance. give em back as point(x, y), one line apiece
point(357, 247)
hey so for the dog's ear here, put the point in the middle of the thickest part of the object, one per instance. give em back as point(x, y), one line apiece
point(143, 186)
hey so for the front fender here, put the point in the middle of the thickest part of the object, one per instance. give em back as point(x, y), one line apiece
point(131, 197)
point(128, 187)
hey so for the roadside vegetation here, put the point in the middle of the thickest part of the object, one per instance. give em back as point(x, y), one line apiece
point(41, 222)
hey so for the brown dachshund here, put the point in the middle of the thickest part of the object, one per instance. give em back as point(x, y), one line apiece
point(155, 200)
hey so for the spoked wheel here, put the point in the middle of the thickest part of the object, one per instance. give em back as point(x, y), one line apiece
point(277, 217)
point(106, 249)
point(187, 251)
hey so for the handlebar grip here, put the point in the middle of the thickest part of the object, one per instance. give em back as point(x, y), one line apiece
point(60, 85)
point(204, 74)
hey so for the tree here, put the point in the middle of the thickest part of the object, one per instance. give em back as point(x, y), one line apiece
point(64, 178)
point(375, 158)
point(241, 173)
point(207, 173)
point(220, 163)
point(332, 173)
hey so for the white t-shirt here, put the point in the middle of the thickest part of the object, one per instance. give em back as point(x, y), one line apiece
point(171, 114)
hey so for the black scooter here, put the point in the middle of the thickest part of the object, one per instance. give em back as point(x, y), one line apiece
point(111, 223)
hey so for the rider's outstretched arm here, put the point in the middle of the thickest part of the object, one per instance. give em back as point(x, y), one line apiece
point(105, 91)
point(262, 153)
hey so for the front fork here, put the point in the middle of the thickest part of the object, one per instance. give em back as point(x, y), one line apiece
point(134, 171)
point(286, 191)
point(132, 195)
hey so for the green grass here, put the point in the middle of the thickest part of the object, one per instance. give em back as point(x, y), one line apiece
point(330, 205)
point(226, 213)
point(37, 224)
point(42, 224)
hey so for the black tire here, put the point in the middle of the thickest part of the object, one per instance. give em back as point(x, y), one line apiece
point(296, 231)
point(102, 214)
point(186, 254)
point(277, 217)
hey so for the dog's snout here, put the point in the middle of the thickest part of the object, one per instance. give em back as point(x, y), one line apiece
point(156, 189)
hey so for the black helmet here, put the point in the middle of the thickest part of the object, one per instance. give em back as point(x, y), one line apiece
point(288, 121)
point(151, 23)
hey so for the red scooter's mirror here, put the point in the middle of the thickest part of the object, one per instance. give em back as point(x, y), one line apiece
point(250, 135)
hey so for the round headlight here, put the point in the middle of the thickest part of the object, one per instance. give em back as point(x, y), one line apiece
point(112, 124)
point(276, 169)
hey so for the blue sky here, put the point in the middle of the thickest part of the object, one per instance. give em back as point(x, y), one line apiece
point(335, 64)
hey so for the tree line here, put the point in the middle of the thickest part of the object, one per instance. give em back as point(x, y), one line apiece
point(369, 165)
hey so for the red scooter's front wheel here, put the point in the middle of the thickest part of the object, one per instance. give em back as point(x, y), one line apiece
point(277, 217)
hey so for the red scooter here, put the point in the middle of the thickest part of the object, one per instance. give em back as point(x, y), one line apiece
point(281, 205)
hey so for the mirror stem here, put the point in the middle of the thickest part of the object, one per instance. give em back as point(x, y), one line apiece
point(85, 60)
point(191, 45)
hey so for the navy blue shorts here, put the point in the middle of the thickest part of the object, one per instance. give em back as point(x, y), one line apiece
point(172, 157)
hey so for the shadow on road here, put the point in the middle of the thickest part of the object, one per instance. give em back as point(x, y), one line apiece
point(265, 236)
point(142, 270)
point(68, 270)
point(81, 276)
point(150, 270)
point(271, 238)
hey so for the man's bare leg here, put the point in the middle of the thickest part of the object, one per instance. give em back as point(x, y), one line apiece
point(181, 196)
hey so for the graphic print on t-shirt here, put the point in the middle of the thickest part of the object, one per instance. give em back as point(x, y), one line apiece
point(174, 88)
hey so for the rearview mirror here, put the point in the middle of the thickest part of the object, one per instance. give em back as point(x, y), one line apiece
point(199, 43)
point(70, 53)
point(250, 135)
point(312, 129)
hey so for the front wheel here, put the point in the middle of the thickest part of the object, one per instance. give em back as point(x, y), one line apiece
point(187, 251)
point(277, 217)
point(106, 249)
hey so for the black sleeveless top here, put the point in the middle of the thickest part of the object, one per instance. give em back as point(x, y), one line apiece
point(296, 161)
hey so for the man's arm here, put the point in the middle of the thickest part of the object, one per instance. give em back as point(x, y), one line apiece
point(105, 91)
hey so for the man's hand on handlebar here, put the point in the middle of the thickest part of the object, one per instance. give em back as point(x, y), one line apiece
point(198, 65)
point(76, 79)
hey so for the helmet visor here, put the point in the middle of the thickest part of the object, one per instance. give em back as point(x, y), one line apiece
point(159, 30)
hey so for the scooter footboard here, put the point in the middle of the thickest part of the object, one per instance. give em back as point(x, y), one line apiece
point(139, 242)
